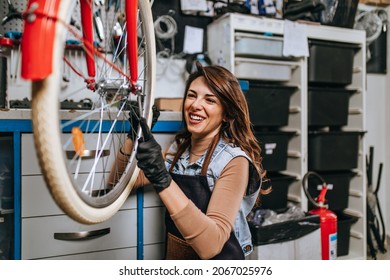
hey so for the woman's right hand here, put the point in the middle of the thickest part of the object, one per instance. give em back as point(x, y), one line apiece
point(134, 119)
point(151, 161)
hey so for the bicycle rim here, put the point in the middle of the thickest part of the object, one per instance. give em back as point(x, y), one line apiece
point(78, 178)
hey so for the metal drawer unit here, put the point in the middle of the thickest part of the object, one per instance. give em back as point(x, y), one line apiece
point(47, 233)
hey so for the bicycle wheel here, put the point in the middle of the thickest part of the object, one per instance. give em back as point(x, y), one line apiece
point(78, 132)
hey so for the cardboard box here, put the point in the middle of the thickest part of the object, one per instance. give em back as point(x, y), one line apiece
point(375, 2)
point(169, 104)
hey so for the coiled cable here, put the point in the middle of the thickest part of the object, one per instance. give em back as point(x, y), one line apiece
point(165, 28)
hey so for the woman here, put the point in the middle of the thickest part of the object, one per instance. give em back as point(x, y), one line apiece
point(211, 176)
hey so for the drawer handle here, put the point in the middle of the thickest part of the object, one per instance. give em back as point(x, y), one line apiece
point(87, 154)
point(82, 235)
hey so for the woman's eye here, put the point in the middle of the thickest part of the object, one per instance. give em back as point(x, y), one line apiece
point(191, 95)
point(211, 100)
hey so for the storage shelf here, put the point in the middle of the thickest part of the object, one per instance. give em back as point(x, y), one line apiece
point(294, 154)
point(225, 29)
point(355, 111)
point(354, 213)
point(294, 110)
point(355, 193)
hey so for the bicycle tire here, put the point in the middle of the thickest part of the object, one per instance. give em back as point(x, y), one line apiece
point(108, 124)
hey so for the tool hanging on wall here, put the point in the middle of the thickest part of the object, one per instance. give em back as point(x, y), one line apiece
point(3, 82)
point(376, 232)
point(12, 41)
point(12, 14)
point(374, 23)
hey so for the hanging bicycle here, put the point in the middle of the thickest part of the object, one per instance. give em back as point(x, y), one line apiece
point(77, 148)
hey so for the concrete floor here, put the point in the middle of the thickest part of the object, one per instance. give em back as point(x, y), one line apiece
point(382, 256)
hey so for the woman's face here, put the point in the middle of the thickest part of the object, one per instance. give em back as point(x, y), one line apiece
point(203, 111)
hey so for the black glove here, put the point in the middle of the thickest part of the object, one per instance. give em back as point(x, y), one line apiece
point(134, 119)
point(150, 159)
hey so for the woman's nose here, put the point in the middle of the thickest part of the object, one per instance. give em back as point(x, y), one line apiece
point(197, 104)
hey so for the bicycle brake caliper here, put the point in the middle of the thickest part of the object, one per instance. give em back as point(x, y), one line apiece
point(91, 84)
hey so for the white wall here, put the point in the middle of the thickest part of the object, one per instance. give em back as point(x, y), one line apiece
point(378, 131)
point(377, 134)
point(385, 191)
point(170, 77)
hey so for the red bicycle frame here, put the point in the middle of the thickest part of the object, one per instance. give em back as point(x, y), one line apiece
point(39, 31)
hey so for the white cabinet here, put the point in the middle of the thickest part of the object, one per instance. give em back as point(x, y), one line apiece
point(47, 233)
point(226, 37)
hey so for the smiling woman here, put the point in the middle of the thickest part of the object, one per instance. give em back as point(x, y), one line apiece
point(206, 202)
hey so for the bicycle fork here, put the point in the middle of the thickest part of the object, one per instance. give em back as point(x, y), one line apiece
point(40, 20)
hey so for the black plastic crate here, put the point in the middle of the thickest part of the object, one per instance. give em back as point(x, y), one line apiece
point(330, 63)
point(268, 104)
point(277, 198)
point(274, 148)
point(284, 231)
point(344, 223)
point(6, 172)
point(333, 150)
point(6, 236)
point(337, 195)
point(328, 106)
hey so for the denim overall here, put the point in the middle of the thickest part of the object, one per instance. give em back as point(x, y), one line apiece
point(222, 155)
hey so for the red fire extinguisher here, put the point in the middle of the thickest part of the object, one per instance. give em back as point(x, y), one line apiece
point(328, 219)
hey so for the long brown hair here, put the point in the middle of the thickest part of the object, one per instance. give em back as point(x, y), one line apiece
point(237, 128)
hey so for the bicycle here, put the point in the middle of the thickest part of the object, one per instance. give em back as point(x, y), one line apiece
point(77, 148)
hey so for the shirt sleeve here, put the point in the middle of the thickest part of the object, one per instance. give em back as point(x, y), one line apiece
point(207, 233)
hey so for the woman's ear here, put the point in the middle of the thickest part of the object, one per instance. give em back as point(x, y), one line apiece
point(225, 118)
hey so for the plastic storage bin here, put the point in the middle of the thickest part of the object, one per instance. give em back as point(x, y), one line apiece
point(307, 247)
point(6, 236)
point(284, 231)
point(330, 63)
point(277, 198)
point(274, 148)
point(288, 235)
point(344, 223)
point(268, 104)
point(328, 106)
point(333, 150)
point(255, 45)
point(253, 69)
point(337, 196)
point(6, 172)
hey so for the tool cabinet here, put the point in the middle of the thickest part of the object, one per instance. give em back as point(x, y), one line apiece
point(41, 230)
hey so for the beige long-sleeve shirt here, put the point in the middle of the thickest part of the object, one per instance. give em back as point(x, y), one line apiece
point(207, 233)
